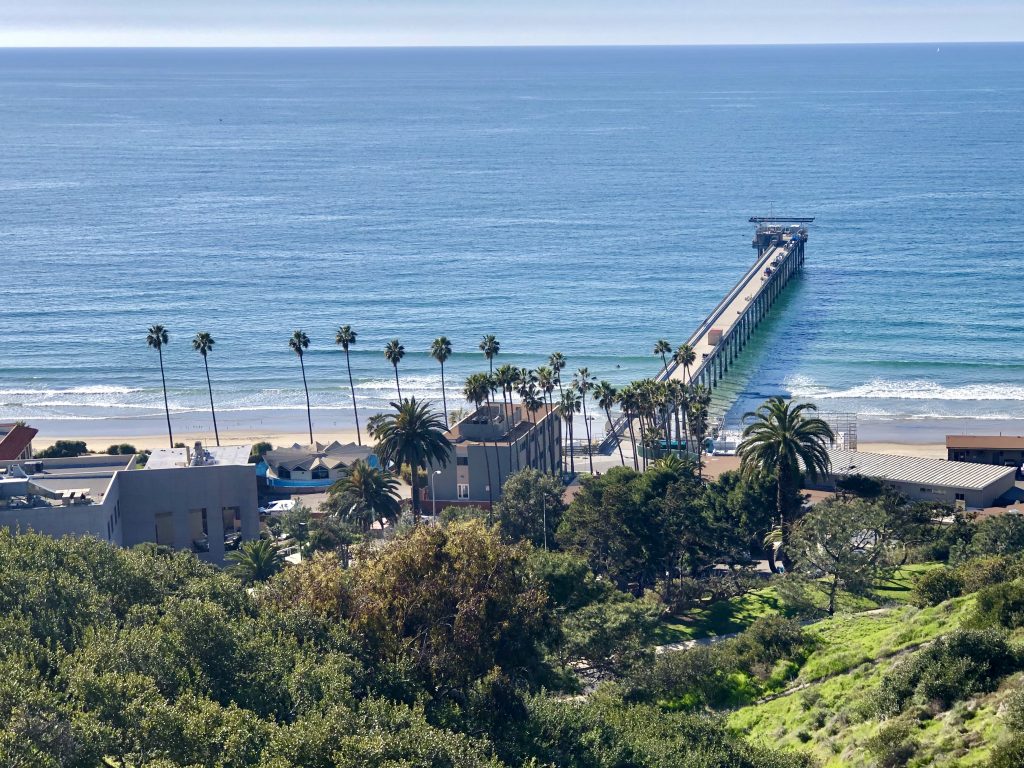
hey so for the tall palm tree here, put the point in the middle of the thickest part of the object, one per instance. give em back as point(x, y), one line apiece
point(629, 401)
point(202, 343)
point(492, 388)
point(299, 343)
point(346, 337)
point(780, 437)
point(477, 390)
point(441, 350)
point(490, 346)
point(505, 377)
point(412, 435)
point(532, 402)
point(157, 337)
point(568, 407)
point(255, 560)
point(606, 397)
point(365, 495)
point(685, 356)
point(585, 382)
point(699, 405)
point(393, 353)
point(557, 363)
point(546, 382)
point(663, 348)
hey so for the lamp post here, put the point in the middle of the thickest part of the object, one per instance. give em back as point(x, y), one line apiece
point(433, 498)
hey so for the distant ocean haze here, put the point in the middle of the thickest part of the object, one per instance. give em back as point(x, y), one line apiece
point(588, 201)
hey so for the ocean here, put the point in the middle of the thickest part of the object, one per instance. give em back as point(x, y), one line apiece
point(582, 200)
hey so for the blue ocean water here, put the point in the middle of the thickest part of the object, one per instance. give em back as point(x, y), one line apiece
point(586, 200)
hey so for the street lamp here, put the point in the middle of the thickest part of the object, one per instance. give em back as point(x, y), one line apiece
point(433, 499)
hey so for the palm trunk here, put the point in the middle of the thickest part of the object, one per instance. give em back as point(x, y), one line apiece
point(508, 415)
point(490, 485)
point(414, 482)
point(309, 413)
point(444, 399)
point(632, 439)
point(398, 385)
point(586, 423)
point(352, 388)
point(167, 408)
point(213, 411)
point(572, 452)
point(497, 456)
point(618, 440)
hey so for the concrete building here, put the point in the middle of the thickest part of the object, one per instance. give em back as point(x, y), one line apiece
point(1000, 450)
point(488, 446)
point(310, 468)
point(16, 441)
point(945, 482)
point(198, 499)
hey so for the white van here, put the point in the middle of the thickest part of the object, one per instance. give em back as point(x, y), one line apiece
point(278, 507)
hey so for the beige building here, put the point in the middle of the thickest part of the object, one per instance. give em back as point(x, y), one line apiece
point(1000, 450)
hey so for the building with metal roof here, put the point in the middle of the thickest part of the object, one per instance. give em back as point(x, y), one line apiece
point(939, 480)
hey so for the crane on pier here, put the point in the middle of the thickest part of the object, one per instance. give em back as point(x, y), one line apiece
point(771, 230)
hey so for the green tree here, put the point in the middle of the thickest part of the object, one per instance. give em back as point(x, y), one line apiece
point(299, 343)
point(779, 438)
point(364, 495)
point(490, 346)
point(346, 338)
point(584, 382)
point(63, 449)
point(454, 601)
point(393, 353)
point(556, 361)
point(477, 390)
point(255, 560)
point(684, 357)
point(157, 338)
point(202, 343)
point(530, 507)
point(412, 435)
point(567, 409)
point(441, 350)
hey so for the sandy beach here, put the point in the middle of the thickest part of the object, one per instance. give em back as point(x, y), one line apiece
point(99, 443)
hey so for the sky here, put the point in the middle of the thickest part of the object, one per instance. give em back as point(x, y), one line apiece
point(501, 22)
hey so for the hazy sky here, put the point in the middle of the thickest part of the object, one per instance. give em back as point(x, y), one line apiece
point(501, 22)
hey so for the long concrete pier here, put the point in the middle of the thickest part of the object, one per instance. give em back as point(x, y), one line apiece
point(723, 335)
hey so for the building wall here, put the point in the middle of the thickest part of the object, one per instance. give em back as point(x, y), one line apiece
point(97, 520)
point(1000, 458)
point(945, 494)
point(479, 457)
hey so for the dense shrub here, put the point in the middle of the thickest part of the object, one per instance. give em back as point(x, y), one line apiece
point(122, 449)
point(1008, 754)
point(1001, 535)
point(954, 667)
point(937, 586)
point(1001, 605)
point(980, 572)
point(892, 746)
point(1014, 713)
point(63, 449)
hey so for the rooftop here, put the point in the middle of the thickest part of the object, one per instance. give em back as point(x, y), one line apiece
point(499, 424)
point(307, 457)
point(15, 438)
point(199, 456)
point(986, 442)
point(914, 469)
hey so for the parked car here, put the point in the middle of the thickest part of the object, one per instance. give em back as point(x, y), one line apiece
point(278, 507)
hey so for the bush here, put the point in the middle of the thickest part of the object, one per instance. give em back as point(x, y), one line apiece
point(937, 586)
point(954, 667)
point(123, 449)
point(980, 572)
point(257, 451)
point(892, 746)
point(63, 449)
point(1001, 605)
point(1008, 754)
point(1000, 535)
point(1015, 710)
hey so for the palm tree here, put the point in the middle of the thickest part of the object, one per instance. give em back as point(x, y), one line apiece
point(346, 337)
point(685, 356)
point(663, 348)
point(441, 350)
point(393, 353)
point(532, 402)
point(490, 346)
point(585, 382)
point(557, 363)
point(256, 560)
point(412, 435)
point(505, 377)
point(365, 494)
point(477, 390)
point(629, 402)
point(546, 381)
point(697, 420)
point(568, 407)
point(203, 344)
point(299, 343)
point(606, 397)
point(780, 438)
point(157, 337)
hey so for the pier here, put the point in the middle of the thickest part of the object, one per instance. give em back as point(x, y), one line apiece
point(721, 337)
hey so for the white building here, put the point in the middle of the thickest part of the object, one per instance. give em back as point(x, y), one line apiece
point(198, 499)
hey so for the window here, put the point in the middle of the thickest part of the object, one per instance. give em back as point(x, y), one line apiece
point(284, 473)
point(462, 461)
point(320, 473)
point(926, 490)
point(961, 497)
point(463, 490)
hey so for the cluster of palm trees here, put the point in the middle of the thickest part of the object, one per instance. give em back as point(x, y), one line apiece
point(157, 338)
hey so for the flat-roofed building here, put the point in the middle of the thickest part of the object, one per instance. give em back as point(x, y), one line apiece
point(488, 445)
point(203, 499)
point(922, 479)
point(1001, 450)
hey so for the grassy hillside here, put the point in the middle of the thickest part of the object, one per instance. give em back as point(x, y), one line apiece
point(828, 709)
